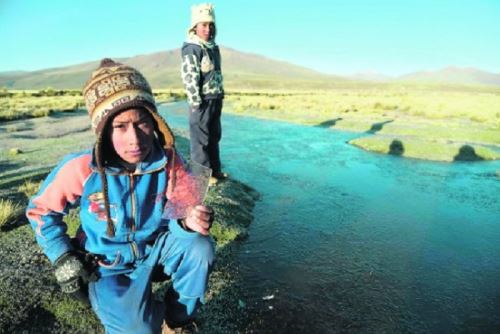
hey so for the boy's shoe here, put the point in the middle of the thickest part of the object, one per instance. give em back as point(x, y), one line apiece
point(220, 175)
point(212, 181)
point(216, 177)
point(189, 328)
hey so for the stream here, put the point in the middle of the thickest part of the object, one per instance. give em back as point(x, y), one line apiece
point(348, 241)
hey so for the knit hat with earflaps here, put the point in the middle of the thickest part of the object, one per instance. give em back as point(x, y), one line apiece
point(203, 12)
point(111, 89)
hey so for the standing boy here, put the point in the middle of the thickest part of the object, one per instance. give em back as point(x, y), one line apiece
point(202, 78)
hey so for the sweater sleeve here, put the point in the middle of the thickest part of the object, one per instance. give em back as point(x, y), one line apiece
point(61, 189)
point(190, 70)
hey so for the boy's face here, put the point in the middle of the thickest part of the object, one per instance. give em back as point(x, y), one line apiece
point(132, 135)
point(204, 30)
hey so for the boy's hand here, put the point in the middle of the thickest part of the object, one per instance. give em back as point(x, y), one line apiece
point(72, 276)
point(199, 219)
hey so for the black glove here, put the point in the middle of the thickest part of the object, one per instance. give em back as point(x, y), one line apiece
point(72, 276)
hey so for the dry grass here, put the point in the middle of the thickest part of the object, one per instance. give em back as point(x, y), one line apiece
point(21, 104)
point(9, 211)
point(29, 188)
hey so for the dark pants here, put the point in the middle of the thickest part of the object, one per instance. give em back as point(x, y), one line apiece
point(205, 131)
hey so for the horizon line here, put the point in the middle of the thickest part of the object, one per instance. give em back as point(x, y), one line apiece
point(345, 74)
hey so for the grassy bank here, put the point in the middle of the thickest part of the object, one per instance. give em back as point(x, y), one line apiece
point(22, 104)
point(30, 300)
point(433, 122)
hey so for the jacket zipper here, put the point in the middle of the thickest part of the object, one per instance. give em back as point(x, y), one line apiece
point(135, 251)
point(133, 245)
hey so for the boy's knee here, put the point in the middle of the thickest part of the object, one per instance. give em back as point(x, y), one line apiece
point(202, 250)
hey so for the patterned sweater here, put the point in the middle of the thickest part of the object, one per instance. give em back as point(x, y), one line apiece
point(201, 72)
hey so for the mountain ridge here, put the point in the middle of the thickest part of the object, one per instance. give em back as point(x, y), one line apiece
point(241, 70)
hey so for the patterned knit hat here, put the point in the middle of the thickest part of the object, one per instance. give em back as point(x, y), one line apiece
point(115, 87)
point(111, 89)
point(202, 13)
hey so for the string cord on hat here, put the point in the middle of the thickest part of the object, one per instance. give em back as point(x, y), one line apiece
point(110, 226)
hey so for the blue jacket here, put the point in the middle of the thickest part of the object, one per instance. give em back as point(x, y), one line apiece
point(137, 201)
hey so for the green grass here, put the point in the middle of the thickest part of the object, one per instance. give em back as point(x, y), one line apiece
point(72, 220)
point(224, 234)
point(72, 314)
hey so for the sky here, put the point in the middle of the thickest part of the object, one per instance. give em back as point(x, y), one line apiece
point(343, 37)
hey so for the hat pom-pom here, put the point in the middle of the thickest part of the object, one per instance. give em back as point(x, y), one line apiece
point(107, 62)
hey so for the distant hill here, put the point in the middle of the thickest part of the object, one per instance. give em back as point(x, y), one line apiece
point(371, 76)
point(162, 69)
point(456, 75)
point(241, 70)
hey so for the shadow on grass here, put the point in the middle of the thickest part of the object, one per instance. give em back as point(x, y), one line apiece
point(376, 127)
point(10, 182)
point(38, 318)
point(6, 166)
point(15, 126)
point(467, 153)
point(329, 123)
point(396, 148)
point(53, 134)
point(16, 136)
point(63, 113)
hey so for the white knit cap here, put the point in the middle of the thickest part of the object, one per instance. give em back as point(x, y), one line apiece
point(203, 12)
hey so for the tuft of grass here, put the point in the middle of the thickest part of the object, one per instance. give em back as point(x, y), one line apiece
point(12, 128)
point(19, 105)
point(29, 188)
point(225, 234)
point(9, 211)
point(15, 151)
point(73, 221)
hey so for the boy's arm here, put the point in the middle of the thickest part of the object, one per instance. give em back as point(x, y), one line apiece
point(191, 69)
point(46, 209)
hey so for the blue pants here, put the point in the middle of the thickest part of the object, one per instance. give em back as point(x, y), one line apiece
point(124, 303)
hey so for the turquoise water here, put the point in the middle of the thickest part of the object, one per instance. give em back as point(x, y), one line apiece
point(349, 241)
